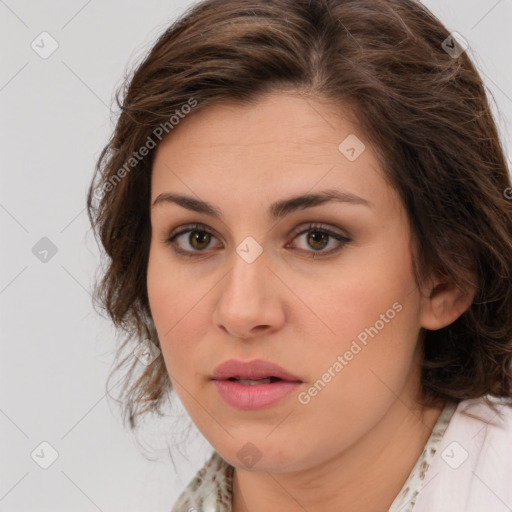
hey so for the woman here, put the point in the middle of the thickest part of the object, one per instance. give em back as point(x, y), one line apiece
point(304, 207)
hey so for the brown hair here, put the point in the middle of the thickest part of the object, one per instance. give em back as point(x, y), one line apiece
point(424, 110)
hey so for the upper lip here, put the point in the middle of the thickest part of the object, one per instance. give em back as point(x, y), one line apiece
point(255, 369)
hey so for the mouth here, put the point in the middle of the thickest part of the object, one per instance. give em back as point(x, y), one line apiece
point(252, 385)
point(254, 382)
point(254, 372)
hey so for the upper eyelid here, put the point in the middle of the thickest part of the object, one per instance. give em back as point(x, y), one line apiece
point(190, 227)
point(310, 226)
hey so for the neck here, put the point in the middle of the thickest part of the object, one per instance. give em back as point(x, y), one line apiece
point(366, 476)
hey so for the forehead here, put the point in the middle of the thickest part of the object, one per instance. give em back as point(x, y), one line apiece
point(283, 144)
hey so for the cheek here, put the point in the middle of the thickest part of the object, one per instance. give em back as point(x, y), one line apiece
point(370, 294)
point(166, 304)
point(353, 381)
point(177, 302)
point(373, 314)
point(372, 331)
point(160, 282)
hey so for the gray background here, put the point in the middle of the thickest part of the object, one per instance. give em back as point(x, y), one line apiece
point(55, 350)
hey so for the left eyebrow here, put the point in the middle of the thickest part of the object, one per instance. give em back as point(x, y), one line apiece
point(276, 210)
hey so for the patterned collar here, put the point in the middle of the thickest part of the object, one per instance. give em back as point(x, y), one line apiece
point(211, 488)
point(406, 498)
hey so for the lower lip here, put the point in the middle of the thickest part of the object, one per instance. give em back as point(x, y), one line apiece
point(243, 396)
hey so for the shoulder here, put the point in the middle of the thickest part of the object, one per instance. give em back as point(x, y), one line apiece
point(488, 420)
point(209, 490)
point(472, 466)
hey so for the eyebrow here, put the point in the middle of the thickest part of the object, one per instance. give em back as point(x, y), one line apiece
point(276, 210)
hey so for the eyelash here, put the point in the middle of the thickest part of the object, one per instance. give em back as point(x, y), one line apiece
point(201, 228)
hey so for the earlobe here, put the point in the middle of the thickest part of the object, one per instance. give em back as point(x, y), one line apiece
point(444, 303)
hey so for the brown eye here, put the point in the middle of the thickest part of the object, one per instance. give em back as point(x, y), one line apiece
point(197, 241)
point(319, 238)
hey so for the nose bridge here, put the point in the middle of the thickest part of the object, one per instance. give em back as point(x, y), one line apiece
point(248, 276)
point(245, 301)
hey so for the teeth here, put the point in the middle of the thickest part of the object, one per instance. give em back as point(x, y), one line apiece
point(267, 380)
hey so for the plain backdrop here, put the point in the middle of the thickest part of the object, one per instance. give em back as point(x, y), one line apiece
point(56, 352)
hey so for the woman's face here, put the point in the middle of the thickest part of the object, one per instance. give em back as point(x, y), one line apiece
point(255, 282)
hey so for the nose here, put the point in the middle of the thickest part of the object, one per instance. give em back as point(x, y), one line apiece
point(249, 302)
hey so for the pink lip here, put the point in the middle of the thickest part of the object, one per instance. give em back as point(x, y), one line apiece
point(247, 397)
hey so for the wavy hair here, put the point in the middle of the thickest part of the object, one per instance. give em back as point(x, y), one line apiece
point(423, 108)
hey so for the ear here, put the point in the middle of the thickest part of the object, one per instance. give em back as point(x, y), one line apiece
point(444, 303)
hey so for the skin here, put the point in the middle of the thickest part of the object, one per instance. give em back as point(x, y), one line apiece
point(354, 444)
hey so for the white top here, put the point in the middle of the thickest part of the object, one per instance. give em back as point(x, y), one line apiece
point(466, 466)
point(472, 469)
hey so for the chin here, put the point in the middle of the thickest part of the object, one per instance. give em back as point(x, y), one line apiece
point(265, 455)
